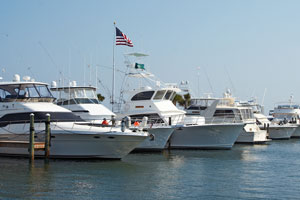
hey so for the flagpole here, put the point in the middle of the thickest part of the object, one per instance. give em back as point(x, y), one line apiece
point(113, 78)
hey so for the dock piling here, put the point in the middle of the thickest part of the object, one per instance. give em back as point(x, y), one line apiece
point(47, 136)
point(31, 140)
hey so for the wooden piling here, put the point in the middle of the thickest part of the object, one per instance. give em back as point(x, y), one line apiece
point(47, 137)
point(31, 139)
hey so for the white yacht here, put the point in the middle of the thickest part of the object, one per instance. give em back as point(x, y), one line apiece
point(69, 139)
point(145, 102)
point(226, 110)
point(82, 101)
point(153, 99)
point(276, 130)
point(288, 112)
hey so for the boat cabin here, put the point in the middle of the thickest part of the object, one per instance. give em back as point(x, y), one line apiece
point(156, 104)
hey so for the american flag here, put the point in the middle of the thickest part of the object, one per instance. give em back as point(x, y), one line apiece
point(122, 39)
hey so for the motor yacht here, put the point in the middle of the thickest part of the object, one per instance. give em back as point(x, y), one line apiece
point(153, 98)
point(276, 129)
point(82, 101)
point(288, 112)
point(69, 138)
point(226, 110)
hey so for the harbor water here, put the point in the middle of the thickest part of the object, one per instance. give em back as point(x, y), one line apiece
point(245, 172)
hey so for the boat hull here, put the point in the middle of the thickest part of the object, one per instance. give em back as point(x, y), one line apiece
point(157, 140)
point(251, 134)
point(281, 132)
point(296, 133)
point(77, 141)
point(207, 136)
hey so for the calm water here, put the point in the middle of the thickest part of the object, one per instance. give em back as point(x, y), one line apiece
point(245, 172)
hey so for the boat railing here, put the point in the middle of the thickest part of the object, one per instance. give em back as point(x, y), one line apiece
point(54, 122)
point(166, 120)
point(223, 120)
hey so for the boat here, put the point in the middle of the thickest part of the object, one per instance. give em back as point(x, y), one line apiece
point(153, 98)
point(83, 102)
point(226, 110)
point(276, 129)
point(69, 137)
point(288, 112)
point(143, 102)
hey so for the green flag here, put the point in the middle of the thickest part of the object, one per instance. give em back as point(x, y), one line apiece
point(139, 66)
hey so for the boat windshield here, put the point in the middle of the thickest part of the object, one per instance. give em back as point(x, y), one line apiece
point(247, 114)
point(77, 96)
point(168, 95)
point(202, 102)
point(25, 92)
point(159, 94)
point(288, 106)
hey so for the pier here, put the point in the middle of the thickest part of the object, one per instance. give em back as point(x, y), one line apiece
point(31, 144)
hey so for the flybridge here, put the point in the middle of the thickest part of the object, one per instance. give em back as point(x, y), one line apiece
point(25, 91)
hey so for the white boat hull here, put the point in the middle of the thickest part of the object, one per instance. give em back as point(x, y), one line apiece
point(76, 142)
point(207, 136)
point(157, 140)
point(281, 132)
point(296, 133)
point(252, 134)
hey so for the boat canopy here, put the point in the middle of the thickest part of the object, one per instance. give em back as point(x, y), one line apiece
point(76, 95)
point(25, 91)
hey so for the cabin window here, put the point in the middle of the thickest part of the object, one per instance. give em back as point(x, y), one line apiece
point(224, 113)
point(143, 96)
point(193, 108)
point(159, 94)
point(43, 91)
point(172, 96)
point(197, 108)
point(4, 94)
point(168, 95)
point(32, 92)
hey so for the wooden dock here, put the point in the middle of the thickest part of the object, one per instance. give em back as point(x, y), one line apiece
point(31, 145)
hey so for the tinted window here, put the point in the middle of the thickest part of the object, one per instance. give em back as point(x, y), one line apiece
point(143, 96)
point(168, 94)
point(224, 113)
point(173, 96)
point(159, 94)
point(4, 93)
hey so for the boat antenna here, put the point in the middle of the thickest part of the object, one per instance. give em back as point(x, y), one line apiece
point(263, 99)
point(198, 80)
point(211, 88)
point(50, 57)
point(29, 69)
point(48, 54)
point(230, 80)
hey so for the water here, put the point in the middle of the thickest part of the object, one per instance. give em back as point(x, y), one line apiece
point(245, 172)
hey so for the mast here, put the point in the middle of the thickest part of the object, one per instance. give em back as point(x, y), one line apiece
point(113, 78)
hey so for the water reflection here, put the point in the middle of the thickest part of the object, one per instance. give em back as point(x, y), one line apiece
point(245, 172)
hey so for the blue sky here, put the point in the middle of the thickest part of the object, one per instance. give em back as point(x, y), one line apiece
point(247, 46)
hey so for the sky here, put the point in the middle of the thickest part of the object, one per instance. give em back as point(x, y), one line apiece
point(250, 47)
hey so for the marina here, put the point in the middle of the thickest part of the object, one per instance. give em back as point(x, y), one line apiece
point(149, 100)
